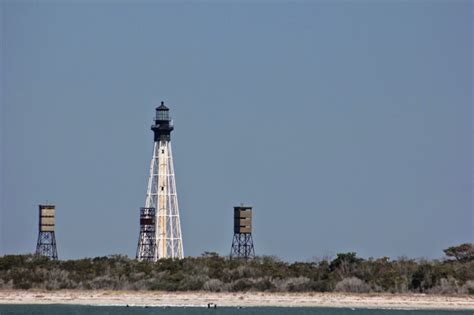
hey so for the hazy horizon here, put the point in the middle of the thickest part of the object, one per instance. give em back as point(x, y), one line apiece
point(347, 126)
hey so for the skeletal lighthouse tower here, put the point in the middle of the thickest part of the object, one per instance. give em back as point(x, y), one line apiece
point(161, 195)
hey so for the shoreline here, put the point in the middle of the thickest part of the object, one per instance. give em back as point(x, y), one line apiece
point(238, 299)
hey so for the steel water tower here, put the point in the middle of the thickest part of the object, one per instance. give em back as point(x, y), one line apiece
point(46, 244)
point(242, 242)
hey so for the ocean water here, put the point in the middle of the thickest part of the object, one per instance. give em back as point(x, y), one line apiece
point(121, 310)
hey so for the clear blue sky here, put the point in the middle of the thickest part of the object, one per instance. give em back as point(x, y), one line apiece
point(347, 125)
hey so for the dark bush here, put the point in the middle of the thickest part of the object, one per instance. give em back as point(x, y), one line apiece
point(212, 272)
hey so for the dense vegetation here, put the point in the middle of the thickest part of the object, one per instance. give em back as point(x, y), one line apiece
point(211, 272)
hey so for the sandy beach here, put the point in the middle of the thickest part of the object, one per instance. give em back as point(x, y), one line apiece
point(147, 298)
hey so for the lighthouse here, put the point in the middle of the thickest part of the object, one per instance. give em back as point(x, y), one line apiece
point(161, 197)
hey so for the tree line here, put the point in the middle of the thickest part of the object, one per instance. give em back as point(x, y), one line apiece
point(210, 272)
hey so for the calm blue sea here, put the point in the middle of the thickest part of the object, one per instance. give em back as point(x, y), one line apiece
point(120, 310)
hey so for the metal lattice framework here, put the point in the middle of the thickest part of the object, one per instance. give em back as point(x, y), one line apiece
point(161, 192)
point(146, 241)
point(242, 246)
point(46, 245)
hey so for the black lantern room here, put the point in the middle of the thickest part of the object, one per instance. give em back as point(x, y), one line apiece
point(163, 124)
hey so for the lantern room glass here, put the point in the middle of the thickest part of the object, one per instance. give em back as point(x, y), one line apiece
point(162, 115)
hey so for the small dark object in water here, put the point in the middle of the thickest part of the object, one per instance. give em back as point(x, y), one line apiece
point(127, 306)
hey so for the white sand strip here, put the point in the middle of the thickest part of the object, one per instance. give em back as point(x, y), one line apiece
point(153, 298)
